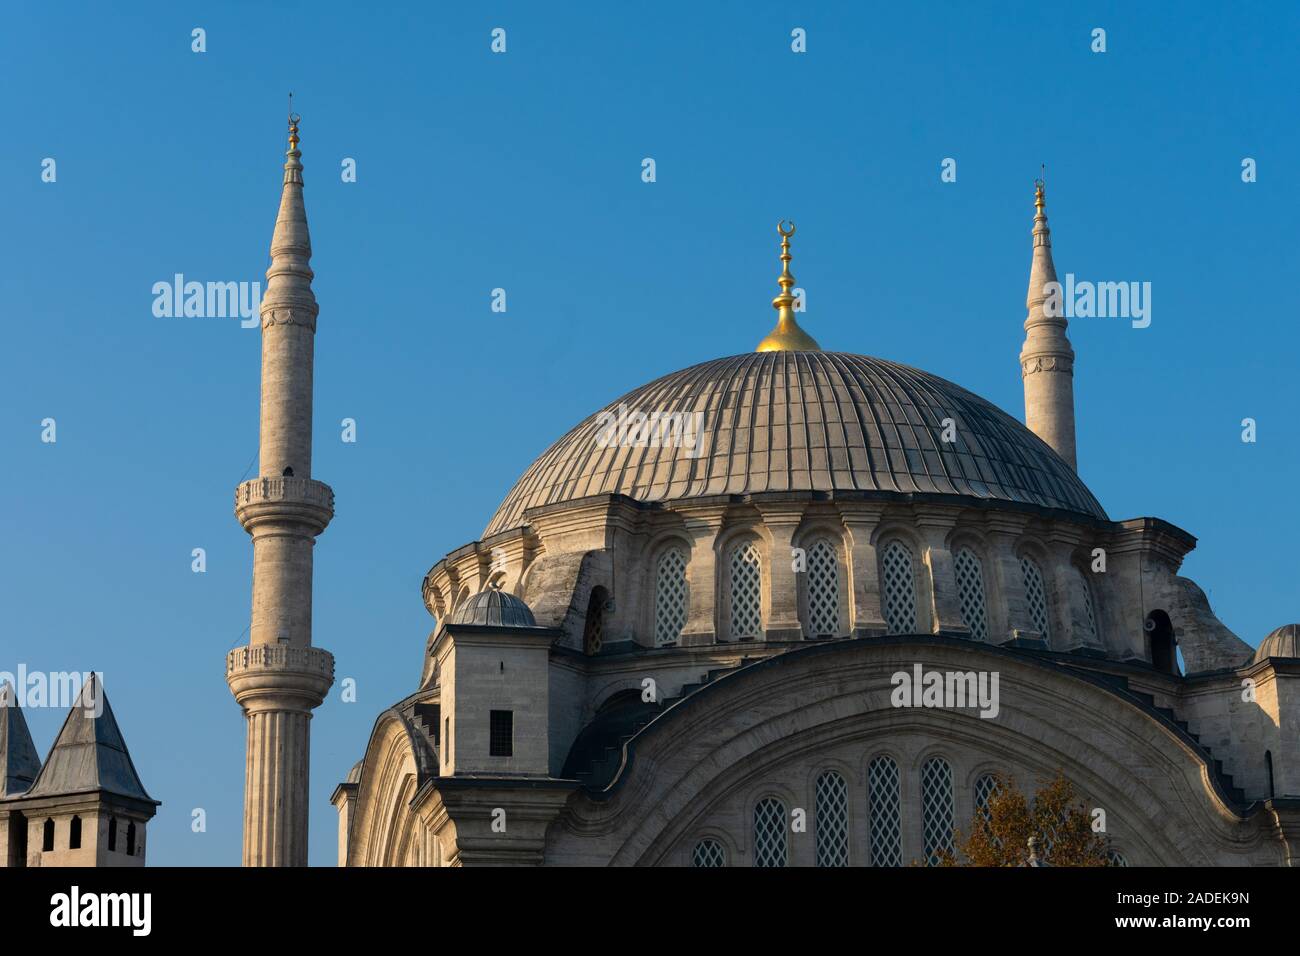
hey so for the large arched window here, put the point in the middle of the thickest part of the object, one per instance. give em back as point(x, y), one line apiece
point(898, 585)
point(670, 597)
point(936, 809)
point(769, 833)
point(709, 853)
point(823, 590)
point(832, 820)
point(882, 800)
point(746, 593)
point(1036, 596)
point(970, 593)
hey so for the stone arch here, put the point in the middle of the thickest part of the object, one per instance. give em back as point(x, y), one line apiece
point(721, 748)
point(383, 825)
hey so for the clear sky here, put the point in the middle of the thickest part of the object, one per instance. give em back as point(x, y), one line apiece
point(522, 171)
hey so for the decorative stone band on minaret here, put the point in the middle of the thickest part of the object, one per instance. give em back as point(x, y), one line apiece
point(1046, 359)
point(279, 678)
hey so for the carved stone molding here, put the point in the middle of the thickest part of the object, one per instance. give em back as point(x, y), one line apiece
point(1047, 363)
point(299, 316)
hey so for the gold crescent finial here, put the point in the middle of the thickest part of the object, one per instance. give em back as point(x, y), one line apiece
point(294, 120)
point(1040, 184)
point(787, 336)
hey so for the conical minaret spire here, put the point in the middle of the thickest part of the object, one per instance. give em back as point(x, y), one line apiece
point(787, 336)
point(1046, 359)
point(280, 678)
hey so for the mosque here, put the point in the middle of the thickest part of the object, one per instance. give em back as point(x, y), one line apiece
point(680, 646)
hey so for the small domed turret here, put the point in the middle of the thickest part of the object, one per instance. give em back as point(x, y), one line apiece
point(494, 608)
point(1283, 642)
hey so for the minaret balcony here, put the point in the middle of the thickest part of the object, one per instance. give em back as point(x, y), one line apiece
point(280, 499)
point(279, 670)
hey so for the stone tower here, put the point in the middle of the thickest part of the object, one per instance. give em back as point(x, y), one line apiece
point(279, 678)
point(85, 806)
point(1046, 359)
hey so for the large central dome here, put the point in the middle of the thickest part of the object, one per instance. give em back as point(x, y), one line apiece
point(804, 421)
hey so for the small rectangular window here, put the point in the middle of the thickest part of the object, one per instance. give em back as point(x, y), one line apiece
point(501, 733)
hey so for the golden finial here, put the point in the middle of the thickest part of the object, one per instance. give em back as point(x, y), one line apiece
point(1039, 184)
point(294, 120)
point(787, 336)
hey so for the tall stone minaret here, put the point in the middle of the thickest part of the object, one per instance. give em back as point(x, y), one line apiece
point(1046, 359)
point(279, 678)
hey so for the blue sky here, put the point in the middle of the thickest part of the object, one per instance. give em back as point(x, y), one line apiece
point(522, 171)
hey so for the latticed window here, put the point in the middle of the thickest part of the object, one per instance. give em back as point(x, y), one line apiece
point(709, 853)
point(1089, 612)
point(832, 820)
point(823, 590)
point(899, 582)
point(769, 833)
point(593, 632)
point(1035, 596)
point(985, 787)
point(1115, 858)
point(970, 593)
point(746, 592)
point(936, 809)
point(882, 798)
point(670, 597)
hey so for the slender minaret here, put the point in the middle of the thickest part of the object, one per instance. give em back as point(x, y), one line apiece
point(1046, 360)
point(279, 678)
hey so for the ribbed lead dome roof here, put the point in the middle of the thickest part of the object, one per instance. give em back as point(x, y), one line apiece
point(805, 421)
point(495, 608)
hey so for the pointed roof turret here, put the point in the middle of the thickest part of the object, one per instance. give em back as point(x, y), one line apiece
point(89, 754)
point(289, 297)
point(19, 764)
point(787, 336)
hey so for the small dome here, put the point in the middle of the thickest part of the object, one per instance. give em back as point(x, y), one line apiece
point(1283, 642)
point(354, 775)
point(494, 608)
